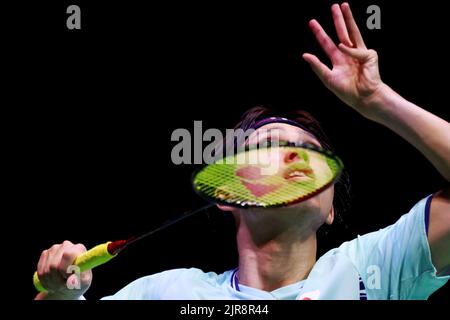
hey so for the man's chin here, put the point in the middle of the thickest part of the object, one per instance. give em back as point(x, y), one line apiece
point(308, 206)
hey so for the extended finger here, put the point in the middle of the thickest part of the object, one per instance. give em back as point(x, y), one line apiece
point(319, 68)
point(325, 42)
point(352, 27)
point(339, 23)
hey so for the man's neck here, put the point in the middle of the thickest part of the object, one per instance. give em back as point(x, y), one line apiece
point(276, 256)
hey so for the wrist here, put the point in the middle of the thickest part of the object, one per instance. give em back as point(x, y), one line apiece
point(375, 105)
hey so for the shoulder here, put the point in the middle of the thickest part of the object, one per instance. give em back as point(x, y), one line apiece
point(171, 275)
point(410, 227)
point(194, 275)
point(168, 284)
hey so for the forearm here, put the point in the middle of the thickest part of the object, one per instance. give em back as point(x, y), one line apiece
point(425, 131)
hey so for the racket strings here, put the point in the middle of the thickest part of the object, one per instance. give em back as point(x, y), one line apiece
point(224, 182)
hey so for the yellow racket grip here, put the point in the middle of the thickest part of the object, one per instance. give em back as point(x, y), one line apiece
point(92, 258)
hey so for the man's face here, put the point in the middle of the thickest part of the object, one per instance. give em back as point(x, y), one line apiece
point(291, 167)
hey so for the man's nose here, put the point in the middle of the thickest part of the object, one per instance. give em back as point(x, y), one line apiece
point(291, 156)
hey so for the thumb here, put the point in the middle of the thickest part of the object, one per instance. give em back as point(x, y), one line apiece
point(358, 53)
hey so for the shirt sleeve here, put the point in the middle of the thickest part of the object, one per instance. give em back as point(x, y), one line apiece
point(395, 262)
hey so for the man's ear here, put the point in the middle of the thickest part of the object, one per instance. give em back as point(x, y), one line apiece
point(225, 208)
point(330, 217)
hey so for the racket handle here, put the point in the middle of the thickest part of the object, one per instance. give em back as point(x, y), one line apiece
point(90, 259)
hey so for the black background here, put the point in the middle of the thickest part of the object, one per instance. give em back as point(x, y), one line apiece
point(100, 105)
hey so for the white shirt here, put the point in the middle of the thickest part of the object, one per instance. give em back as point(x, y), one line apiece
point(392, 263)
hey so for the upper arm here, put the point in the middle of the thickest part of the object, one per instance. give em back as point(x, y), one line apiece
point(439, 231)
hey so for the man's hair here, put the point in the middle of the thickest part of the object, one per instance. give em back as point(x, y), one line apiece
point(342, 195)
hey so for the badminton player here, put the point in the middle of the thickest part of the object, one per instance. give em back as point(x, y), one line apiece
point(277, 247)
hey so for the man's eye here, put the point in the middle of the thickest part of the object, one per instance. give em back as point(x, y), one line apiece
point(276, 143)
point(291, 144)
point(265, 144)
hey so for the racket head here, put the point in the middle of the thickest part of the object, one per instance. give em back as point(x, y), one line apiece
point(248, 179)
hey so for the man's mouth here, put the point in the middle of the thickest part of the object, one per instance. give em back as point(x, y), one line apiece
point(252, 178)
point(298, 173)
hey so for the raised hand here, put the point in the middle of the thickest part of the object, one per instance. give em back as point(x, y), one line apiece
point(355, 77)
